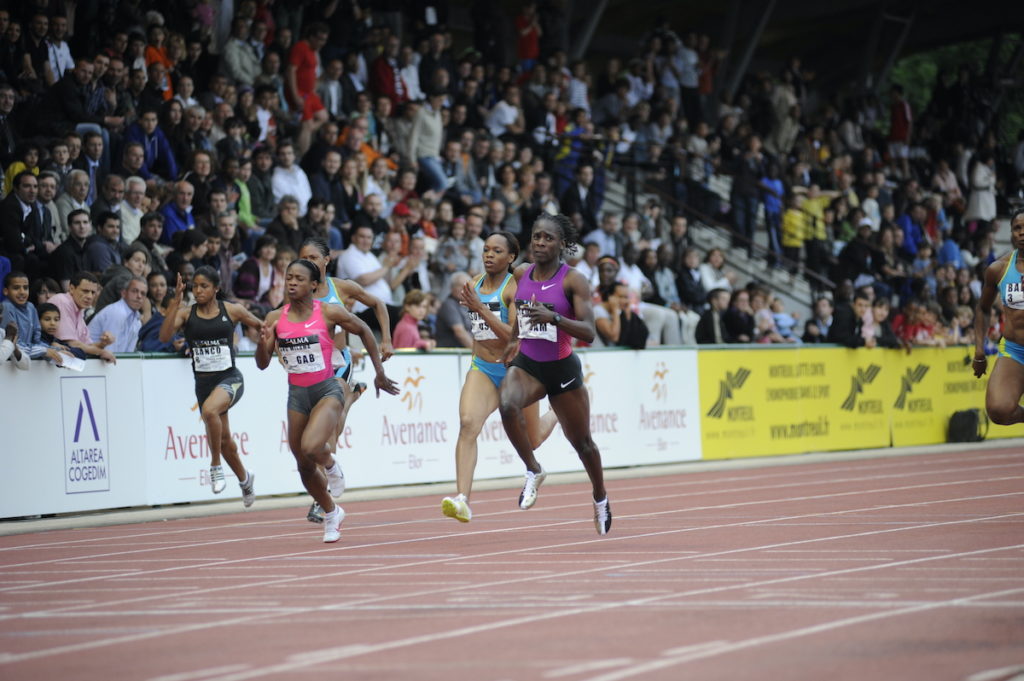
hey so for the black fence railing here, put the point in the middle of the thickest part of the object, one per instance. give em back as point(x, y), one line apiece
point(633, 172)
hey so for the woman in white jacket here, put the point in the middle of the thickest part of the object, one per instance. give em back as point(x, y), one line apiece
point(981, 206)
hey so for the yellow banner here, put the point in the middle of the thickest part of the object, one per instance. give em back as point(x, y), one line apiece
point(794, 400)
point(933, 384)
point(786, 401)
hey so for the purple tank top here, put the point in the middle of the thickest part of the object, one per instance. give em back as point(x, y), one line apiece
point(545, 343)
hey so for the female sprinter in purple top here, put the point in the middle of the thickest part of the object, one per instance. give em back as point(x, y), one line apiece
point(552, 305)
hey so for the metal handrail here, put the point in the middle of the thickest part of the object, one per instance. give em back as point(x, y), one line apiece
point(679, 207)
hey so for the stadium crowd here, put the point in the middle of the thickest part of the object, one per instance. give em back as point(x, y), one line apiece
point(140, 140)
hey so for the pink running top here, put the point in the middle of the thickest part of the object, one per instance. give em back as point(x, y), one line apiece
point(545, 343)
point(305, 347)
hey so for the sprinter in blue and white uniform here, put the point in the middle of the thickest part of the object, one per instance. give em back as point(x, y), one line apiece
point(491, 312)
point(1004, 278)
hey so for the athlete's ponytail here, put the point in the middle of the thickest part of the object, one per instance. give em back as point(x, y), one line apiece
point(319, 243)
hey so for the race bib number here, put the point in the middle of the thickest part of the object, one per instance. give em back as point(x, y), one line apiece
point(480, 329)
point(209, 356)
point(1014, 296)
point(544, 332)
point(301, 355)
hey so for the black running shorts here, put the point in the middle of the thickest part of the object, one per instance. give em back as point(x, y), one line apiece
point(229, 380)
point(557, 377)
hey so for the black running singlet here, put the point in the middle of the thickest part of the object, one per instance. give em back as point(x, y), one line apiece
point(211, 341)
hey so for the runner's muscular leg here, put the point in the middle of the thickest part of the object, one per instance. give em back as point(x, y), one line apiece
point(211, 410)
point(539, 427)
point(518, 390)
point(1005, 387)
point(321, 427)
point(479, 399)
point(230, 450)
point(573, 409)
point(313, 479)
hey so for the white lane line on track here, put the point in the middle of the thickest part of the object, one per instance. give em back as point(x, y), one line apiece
point(584, 667)
point(179, 546)
point(734, 646)
point(42, 653)
point(196, 675)
point(345, 652)
point(614, 538)
point(684, 480)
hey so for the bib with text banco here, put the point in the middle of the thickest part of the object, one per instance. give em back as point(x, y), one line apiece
point(301, 355)
point(209, 356)
point(546, 332)
point(481, 330)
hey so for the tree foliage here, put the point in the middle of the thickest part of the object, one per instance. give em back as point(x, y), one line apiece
point(918, 74)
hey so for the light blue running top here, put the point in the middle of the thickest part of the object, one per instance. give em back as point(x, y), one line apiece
point(496, 302)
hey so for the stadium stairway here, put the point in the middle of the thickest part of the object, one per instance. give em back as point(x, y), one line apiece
point(795, 291)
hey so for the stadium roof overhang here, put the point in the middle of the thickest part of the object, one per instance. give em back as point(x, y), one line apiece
point(841, 40)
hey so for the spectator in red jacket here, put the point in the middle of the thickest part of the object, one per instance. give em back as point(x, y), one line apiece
point(385, 74)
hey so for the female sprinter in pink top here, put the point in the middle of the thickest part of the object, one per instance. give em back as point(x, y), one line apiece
point(552, 305)
point(302, 332)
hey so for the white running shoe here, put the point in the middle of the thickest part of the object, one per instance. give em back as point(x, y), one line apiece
point(217, 483)
point(335, 481)
point(332, 525)
point(603, 516)
point(456, 507)
point(248, 495)
point(528, 497)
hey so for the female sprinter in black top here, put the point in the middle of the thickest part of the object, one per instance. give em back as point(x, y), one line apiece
point(209, 326)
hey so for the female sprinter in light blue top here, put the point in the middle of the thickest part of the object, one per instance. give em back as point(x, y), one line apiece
point(489, 300)
point(1004, 278)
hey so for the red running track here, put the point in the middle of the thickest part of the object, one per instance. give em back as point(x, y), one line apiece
point(907, 567)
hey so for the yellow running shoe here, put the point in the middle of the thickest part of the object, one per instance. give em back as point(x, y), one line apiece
point(457, 508)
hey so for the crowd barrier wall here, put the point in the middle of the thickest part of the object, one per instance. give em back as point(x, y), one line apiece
point(130, 435)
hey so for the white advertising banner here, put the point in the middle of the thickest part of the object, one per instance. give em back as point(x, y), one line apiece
point(643, 410)
point(662, 415)
point(132, 434)
point(70, 441)
point(177, 450)
point(83, 401)
point(408, 438)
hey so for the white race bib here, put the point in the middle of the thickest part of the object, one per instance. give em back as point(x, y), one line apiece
point(480, 329)
point(210, 356)
point(545, 332)
point(301, 355)
point(1014, 296)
